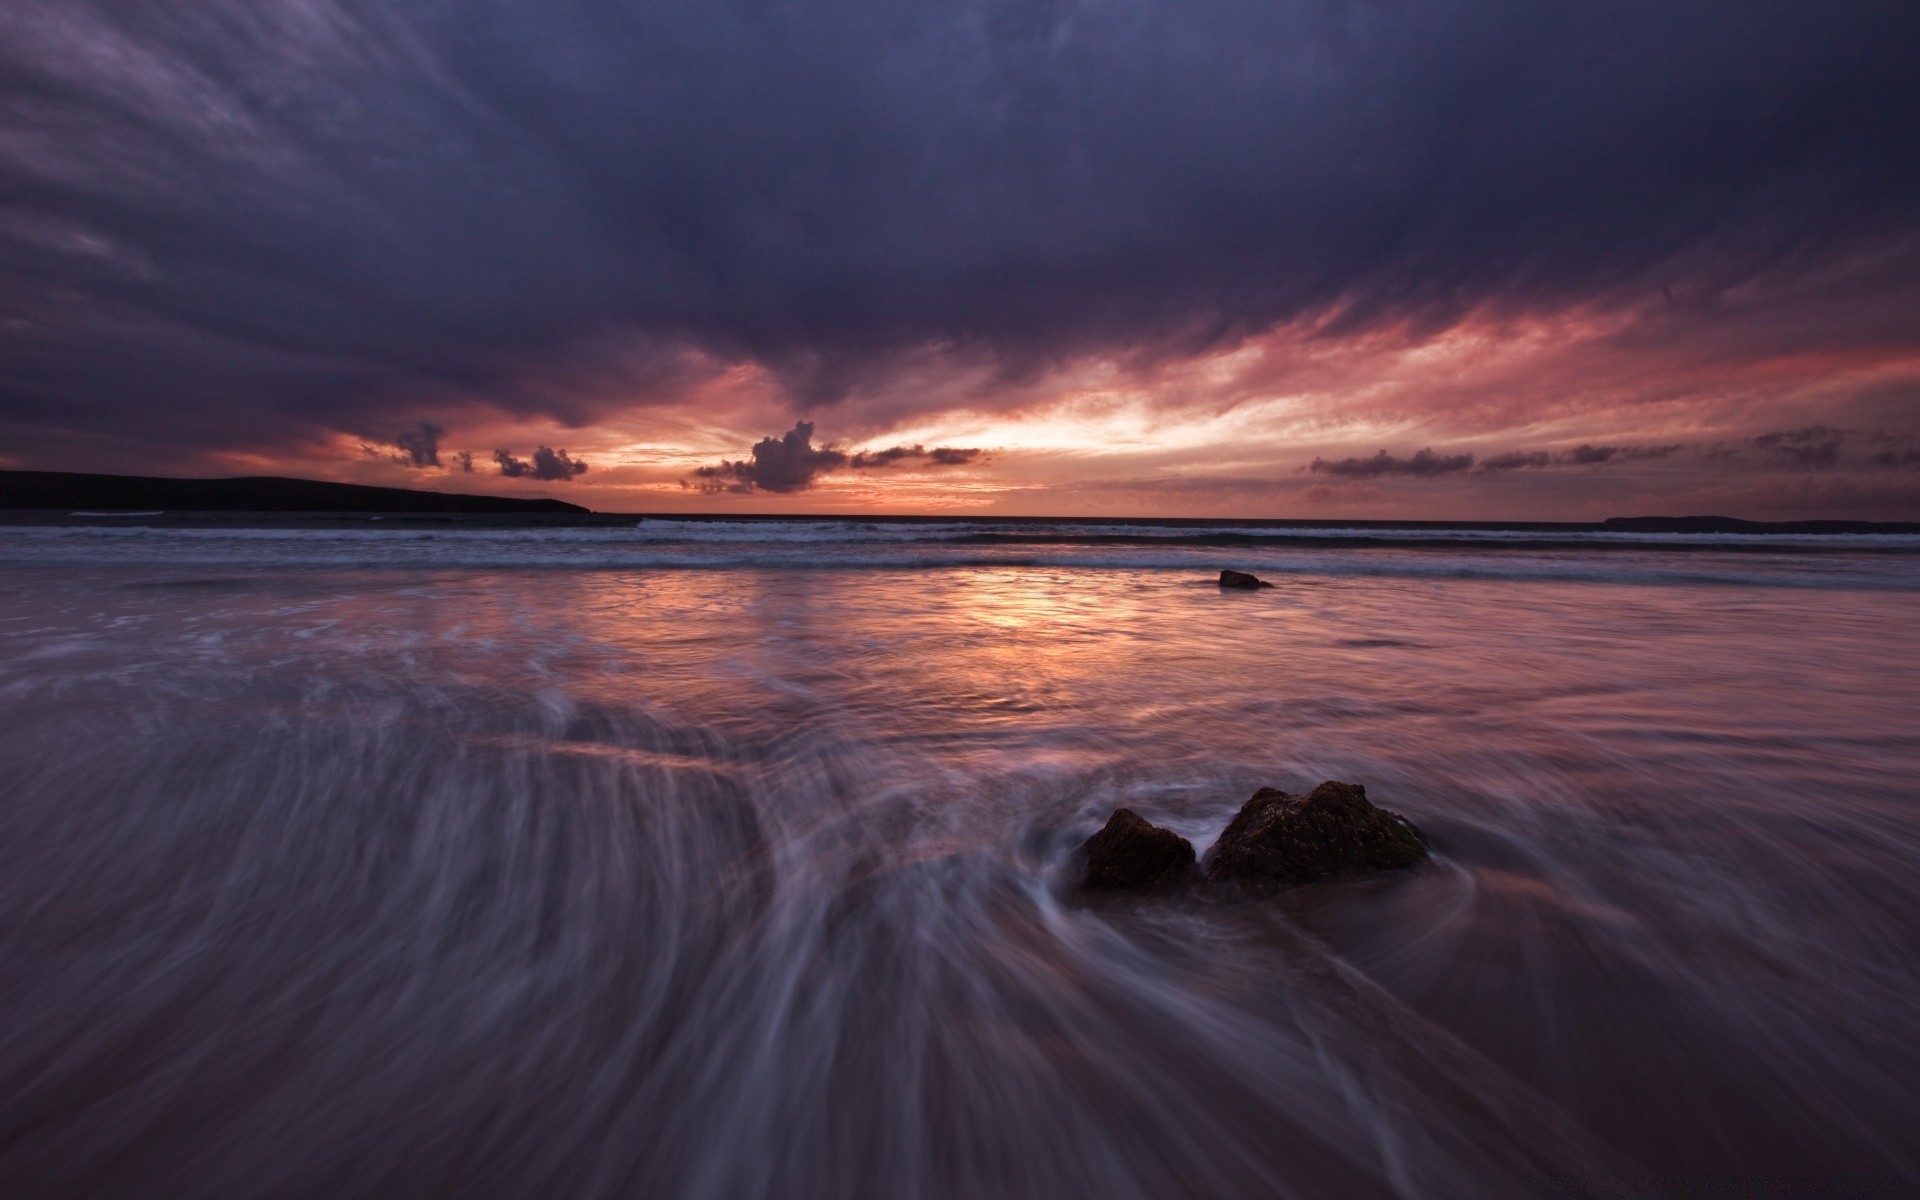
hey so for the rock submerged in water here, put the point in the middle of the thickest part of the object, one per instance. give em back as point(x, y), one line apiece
point(1276, 840)
point(1132, 855)
point(1240, 579)
point(1279, 840)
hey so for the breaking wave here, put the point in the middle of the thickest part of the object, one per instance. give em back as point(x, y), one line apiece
point(1787, 560)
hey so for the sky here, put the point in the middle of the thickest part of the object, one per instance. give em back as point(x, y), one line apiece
point(1470, 259)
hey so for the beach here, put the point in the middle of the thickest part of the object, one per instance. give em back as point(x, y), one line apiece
point(739, 859)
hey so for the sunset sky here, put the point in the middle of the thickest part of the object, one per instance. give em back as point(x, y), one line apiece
point(1338, 258)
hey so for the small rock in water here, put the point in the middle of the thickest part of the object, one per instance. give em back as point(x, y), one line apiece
point(1130, 854)
point(1240, 579)
point(1279, 839)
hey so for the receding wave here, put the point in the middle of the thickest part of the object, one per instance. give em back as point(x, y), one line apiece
point(759, 884)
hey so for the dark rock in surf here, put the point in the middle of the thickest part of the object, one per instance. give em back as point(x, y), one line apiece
point(1240, 579)
point(1279, 840)
point(1130, 854)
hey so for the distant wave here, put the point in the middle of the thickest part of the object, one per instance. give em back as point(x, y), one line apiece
point(1803, 561)
point(1231, 534)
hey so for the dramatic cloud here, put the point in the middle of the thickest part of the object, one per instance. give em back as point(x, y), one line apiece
point(1425, 462)
point(951, 456)
point(1579, 456)
point(939, 456)
point(1517, 460)
point(1206, 236)
point(792, 463)
point(787, 463)
point(547, 464)
point(885, 458)
point(420, 446)
point(230, 223)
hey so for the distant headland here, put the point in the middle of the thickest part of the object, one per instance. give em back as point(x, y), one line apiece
point(257, 493)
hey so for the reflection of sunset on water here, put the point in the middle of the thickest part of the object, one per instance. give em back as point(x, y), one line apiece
point(794, 844)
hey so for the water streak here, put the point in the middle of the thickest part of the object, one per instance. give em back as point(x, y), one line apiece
point(428, 877)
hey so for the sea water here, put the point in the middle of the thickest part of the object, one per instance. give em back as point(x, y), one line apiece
point(736, 859)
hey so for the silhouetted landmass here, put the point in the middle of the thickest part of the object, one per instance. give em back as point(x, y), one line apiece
point(1736, 525)
point(258, 493)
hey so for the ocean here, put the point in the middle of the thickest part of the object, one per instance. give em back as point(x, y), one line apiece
point(727, 859)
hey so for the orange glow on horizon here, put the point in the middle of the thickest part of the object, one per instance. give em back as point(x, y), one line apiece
point(1109, 435)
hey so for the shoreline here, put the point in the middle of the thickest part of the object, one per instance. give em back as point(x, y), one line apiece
point(1799, 537)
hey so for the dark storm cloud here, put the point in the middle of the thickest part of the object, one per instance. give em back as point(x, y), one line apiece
point(792, 463)
point(420, 446)
point(1425, 462)
point(787, 463)
point(939, 456)
point(547, 464)
point(1579, 456)
point(885, 458)
point(225, 220)
point(1517, 460)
